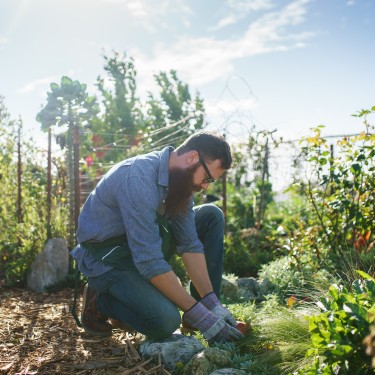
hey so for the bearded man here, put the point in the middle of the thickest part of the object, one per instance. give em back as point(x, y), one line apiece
point(139, 211)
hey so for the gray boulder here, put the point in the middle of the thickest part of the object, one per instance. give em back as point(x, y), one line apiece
point(229, 289)
point(207, 361)
point(248, 288)
point(177, 348)
point(50, 266)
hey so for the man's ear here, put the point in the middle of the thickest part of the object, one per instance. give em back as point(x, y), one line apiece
point(192, 157)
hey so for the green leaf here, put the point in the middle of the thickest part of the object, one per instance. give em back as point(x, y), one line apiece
point(318, 341)
point(365, 275)
point(342, 350)
point(356, 167)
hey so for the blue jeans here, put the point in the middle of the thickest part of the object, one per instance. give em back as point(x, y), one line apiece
point(124, 295)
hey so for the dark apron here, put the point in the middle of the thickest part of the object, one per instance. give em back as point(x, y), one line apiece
point(115, 251)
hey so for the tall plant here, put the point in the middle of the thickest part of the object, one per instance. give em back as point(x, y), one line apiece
point(340, 190)
point(69, 106)
point(21, 239)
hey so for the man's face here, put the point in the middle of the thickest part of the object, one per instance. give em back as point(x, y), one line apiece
point(183, 182)
point(205, 172)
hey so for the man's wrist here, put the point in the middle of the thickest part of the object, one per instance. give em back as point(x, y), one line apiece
point(210, 300)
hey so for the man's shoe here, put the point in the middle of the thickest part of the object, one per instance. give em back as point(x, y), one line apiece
point(93, 322)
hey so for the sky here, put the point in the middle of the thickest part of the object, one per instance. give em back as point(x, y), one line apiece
point(285, 65)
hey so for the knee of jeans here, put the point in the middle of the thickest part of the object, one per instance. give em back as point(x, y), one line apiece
point(214, 213)
point(165, 324)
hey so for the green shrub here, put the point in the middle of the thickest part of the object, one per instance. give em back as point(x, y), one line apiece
point(280, 338)
point(284, 278)
point(341, 188)
point(24, 231)
point(337, 333)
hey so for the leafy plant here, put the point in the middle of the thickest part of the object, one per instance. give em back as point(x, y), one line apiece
point(283, 278)
point(23, 216)
point(279, 339)
point(340, 188)
point(337, 333)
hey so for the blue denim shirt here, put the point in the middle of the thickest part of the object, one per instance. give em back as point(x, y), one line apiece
point(126, 201)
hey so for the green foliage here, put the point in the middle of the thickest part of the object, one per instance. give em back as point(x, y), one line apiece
point(337, 333)
point(341, 188)
point(67, 104)
point(128, 125)
point(244, 312)
point(237, 258)
point(24, 231)
point(279, 338)
point(174, 115)
point(283, 278)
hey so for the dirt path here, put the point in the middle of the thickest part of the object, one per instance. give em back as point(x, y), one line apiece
point(38, 335)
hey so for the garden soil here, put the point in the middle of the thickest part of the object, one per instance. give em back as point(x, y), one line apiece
point(38, 335)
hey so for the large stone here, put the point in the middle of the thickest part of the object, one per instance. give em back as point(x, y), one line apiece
point(207, 361)
point(173, 350)
point(248, 288)
point(228, 371)
point(50, 266)
point(229, 289)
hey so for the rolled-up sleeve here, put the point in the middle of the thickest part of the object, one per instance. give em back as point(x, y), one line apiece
point(138, 199)
point(183, 227)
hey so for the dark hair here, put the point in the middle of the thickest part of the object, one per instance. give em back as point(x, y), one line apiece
point(211, 146)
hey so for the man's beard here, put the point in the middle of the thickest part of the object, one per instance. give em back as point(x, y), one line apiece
point(180, 189)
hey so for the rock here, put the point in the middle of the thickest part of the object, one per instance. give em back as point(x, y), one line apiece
point(228, 371)
point(207, 361)
point(264, 286)
point(50, 266)
point(248, 288)
point(229, 289)
point(173, 350)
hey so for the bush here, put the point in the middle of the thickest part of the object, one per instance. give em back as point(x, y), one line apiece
point(24, 231)
point(284, 278)
point(337, 333)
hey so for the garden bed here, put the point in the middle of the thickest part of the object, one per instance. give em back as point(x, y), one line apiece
point(38, 335)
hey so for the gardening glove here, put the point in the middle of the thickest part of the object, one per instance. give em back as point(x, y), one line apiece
point(213, 304)
point(214, 329)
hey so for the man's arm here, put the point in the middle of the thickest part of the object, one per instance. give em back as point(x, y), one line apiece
point(168, 284)
point(196, 268)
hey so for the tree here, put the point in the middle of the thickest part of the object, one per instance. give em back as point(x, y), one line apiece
point(122, 118)
point(68, 105)
point(174, 115)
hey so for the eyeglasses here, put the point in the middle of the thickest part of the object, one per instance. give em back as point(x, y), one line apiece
point(210, 179)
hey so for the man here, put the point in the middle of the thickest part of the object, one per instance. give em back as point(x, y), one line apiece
point(141, 209)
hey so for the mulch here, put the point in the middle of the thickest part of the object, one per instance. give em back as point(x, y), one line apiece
point(38, 335)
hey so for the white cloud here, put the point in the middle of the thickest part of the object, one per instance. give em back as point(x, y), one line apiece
point(36, 84)
point(150, 13)
point(238, 9)
point(246, 6)
point(226, 21)
point(3, 40)
point(202, 60)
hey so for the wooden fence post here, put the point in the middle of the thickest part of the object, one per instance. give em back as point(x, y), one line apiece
point(77, 187)
point(49, 183)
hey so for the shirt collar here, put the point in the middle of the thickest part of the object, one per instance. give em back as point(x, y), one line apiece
point(163, 170)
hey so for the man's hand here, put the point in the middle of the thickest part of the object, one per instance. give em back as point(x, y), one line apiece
point(213, 328)
point(213, 304)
